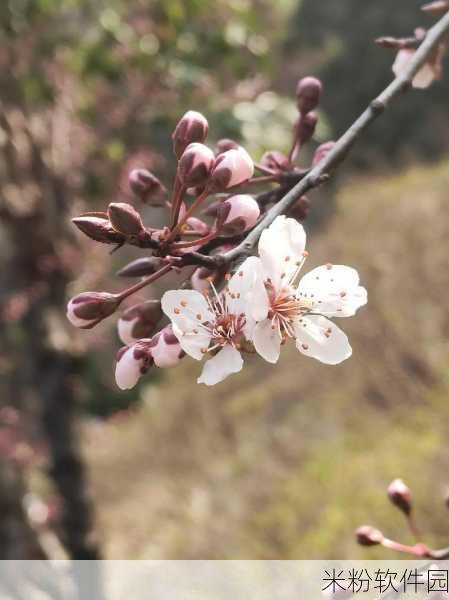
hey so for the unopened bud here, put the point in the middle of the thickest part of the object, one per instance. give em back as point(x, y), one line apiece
point(225, 144)
point(146, 186)
point(195, 165)
point(369, 536)
point(139, 321)
point(193, 127)
point(125, 219)
point(308, 93)
point(98, 228)
point(132, 363)
point(165, 348)
point(89, 308)
point(436, 8)
point(321, 152)
point(300, 209)
point(237, 214)
point(141, 267)
point(275, 160)
point(400, 495)
point(231, 168)
point(305, 127)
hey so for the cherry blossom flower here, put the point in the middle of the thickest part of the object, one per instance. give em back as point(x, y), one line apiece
point(301, 311)
point(214, 323)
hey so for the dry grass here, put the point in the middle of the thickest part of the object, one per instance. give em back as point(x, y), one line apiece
point(284, 462)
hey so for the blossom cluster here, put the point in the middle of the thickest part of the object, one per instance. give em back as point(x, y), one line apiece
point(232, 303)
point(225, 308)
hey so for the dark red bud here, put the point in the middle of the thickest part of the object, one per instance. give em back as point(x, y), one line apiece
point(400, 495)
point(308, 93)
point(98, 228)
point(368, 536)
point(193, 127)
point(125, 219)
point(195, 165)
point(89, 308)
point(141, 267)
point(146, 186)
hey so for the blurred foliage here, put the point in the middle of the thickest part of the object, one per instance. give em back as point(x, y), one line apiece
point(298, 458)
point(335, 41)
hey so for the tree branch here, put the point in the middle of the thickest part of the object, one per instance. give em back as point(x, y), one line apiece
point(339, 152)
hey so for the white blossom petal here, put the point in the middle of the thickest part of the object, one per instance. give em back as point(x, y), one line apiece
point(193, 344)
point(224, 363)
point(333, 290)
point(267, 341)
point(246, 293)
point(319, 338)
point(281, 249)
point(186, 309)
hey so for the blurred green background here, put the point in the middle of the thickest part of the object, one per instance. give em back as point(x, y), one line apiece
point(278, 462)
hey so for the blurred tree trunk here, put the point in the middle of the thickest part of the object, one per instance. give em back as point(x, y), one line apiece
point(38, 369)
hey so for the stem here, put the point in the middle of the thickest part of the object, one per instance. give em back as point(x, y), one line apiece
point(207, 238)
point(264, 170)
point(138, 286)
point(177, 228)
point(176, 202)
point(339, 152)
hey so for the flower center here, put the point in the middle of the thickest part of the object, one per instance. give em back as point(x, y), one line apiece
point(227, 328)
point(285, 309)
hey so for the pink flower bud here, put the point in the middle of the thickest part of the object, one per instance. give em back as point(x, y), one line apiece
point(275, 160)
point(193, 127)
point(132, 363)
point(308, 93)
point(146, 186)
point(195, 165)
point(321, 152)
point(305, 127)
point(89, 308)
point(125, 219)
point(237, 214)
point(98, 228)
point(139, 321)
point(400, 495)
point(141, 267)
point(368, 536)
point(231, 168)
point(165, 348)
point(225, 144)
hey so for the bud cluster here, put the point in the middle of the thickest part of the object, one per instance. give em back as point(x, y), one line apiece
point(211, 208)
